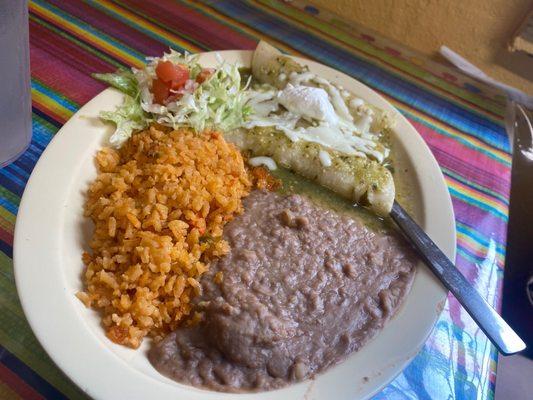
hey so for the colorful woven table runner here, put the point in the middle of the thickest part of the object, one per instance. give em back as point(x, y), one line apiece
point(460, 120)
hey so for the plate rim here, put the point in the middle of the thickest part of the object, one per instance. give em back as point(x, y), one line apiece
point(21, 247)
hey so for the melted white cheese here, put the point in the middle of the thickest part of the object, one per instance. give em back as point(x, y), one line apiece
point(324, 157)
point(331, 137)
point(315, 101)
point(265, 161)
point(297, 79)
point(363, 125)
point(356, 102)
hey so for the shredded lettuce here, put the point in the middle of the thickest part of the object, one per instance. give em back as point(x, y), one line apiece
point(219, 102)
point(123, 80)
point(128, 117)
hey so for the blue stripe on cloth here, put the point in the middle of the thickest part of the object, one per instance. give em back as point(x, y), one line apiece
point(8, 205)
point(9, 185)
point(29, 376)
point(14, 176)
point(11, 182)
point(33, 152)
point(42, 134)
point(21, 168)
point(28, 159)
point(479, 237)
point(6, 249)
point(55, 96)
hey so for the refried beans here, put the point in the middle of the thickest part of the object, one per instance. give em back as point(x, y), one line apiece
point(301, 288)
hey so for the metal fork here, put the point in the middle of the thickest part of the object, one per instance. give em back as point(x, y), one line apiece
point(497, 330)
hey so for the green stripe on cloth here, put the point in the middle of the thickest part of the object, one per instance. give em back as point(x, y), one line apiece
point(17, 337)
point(75, 41)
point(7, 195)
point(7, 216)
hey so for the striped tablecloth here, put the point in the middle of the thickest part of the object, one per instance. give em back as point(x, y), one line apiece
point(461, 122)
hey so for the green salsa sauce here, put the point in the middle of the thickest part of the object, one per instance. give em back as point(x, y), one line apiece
point(322, 196)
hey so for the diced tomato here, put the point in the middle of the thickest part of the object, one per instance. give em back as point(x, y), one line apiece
point(204, 74)
point(160, 90)
point(166, 71)
point(182, 77)
point(174, 75)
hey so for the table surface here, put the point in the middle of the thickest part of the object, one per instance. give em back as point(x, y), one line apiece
point(460, 120)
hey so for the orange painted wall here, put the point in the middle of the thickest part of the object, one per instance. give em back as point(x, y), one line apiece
point(477, 29)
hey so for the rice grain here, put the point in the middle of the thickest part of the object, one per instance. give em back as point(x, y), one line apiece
point(159, 205)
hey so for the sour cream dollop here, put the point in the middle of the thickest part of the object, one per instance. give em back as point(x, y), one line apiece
point(264, 161)
point(307, 101)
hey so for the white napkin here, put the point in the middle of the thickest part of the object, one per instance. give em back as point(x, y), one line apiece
point(473, 71)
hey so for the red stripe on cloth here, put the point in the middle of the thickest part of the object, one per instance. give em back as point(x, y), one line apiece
point(486, 223)
point(474, 175)
point(197, 26)
point(112, 27)
point(74, 31)
point(475, 160)
point(18, 385)
point(6, 237)
point(63, 66)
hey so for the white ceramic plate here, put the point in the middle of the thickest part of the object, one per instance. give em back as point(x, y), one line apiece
point(51, 234)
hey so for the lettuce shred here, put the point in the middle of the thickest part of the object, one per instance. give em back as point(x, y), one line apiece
point(217, 103)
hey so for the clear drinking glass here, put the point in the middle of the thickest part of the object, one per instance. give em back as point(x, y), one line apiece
point(15, 97)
